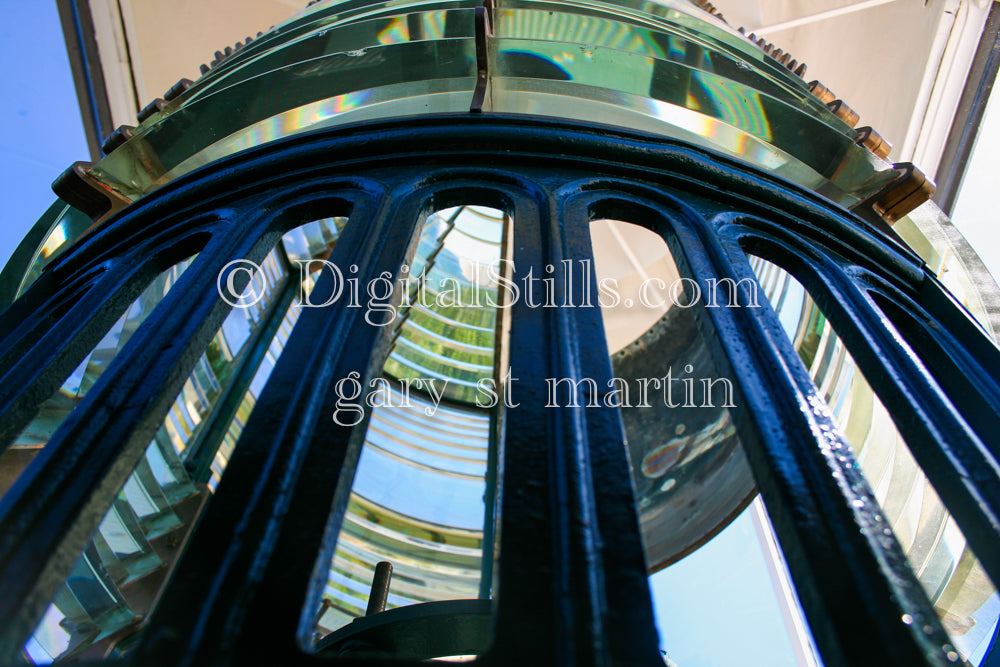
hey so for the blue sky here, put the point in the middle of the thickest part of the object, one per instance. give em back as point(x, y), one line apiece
point(41, 132)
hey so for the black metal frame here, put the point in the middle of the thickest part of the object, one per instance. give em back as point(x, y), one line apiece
point(968, 117)
point(570, 583)
point(81, 46)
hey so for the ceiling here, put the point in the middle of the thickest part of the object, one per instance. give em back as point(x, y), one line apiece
point(170, 40)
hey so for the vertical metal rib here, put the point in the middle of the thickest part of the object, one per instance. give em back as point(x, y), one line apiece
point(265, 537)
point(73, 481)
point(863, 602)
point(558, 596)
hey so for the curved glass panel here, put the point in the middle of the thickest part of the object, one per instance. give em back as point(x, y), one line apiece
point(937, 550)
point(416, 502)
point(54, 411)
point(63, 225)
point(705, 547)
point(330, 68)
point(676, 408)
point(446, 324)
point(664, 68)
point(420, 496)
point(675, 79)
point(931, 235)
point(117, 578)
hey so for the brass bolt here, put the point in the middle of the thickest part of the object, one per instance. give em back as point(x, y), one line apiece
point(153, 107)
point(824, 94)
point(122, 134)
point(909, 191)
point(176, 89)
point(844, 112)
point(874, 142)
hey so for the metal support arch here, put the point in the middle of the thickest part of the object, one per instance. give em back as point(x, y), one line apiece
point(577, 595)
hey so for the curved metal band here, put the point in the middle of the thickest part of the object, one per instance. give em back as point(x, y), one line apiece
point(571, 585)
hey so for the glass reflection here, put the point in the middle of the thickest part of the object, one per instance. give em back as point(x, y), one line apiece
point(681, 439)
point(935, 239)
point(417, 502)
point(692, 482)
point(952, 577)
point(420, 494)
point(742, 573)
point(657, 68)
point(54, 411)
point(65, 225)
point(445, 329)
point(116, 580)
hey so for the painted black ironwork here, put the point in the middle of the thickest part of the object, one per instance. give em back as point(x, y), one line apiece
point(570, 584)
